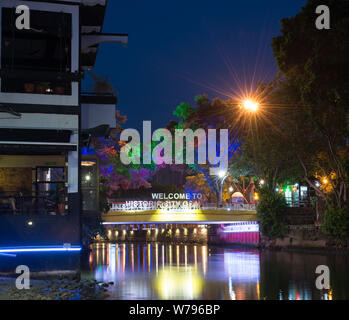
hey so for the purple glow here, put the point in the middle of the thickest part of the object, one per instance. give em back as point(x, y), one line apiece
point(39, 249)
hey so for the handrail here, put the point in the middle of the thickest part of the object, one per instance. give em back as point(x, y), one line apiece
point(120, 206)
point(30, 205)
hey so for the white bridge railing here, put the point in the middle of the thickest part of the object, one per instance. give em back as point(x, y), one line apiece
point(176, 206)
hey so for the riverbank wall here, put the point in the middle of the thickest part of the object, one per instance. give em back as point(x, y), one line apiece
point(305, 237)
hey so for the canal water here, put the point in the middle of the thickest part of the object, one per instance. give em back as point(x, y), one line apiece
point(188, 271)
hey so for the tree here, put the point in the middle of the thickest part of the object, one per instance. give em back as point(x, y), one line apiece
point(206, 114)
point(116, 174)
point(267, 151)
point(314, 63)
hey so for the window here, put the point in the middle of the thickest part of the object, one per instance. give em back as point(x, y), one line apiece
point(89, 185)
point(50, 185)
point(45, 47)
point(33, 185)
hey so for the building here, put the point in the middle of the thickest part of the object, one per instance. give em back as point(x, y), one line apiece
point(42, 114)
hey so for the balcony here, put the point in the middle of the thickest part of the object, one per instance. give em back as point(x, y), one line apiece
point(23, 205)
point(37, 82)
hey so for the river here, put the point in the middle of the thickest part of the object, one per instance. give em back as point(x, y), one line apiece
point(188, 271)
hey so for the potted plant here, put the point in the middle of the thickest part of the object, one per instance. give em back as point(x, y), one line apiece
point(40, 88)
point(59, 90)
point(29, 87)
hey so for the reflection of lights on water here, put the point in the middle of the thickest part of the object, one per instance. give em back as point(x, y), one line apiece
point(177, 256)
point(170, 254)
point(196, 257)
point(327, 295)
point(184, 284)
point(204, 258)
point(231, 290)
point(242, 266)
point(132, 258)
point(90, 259)
point(123, 258)
point(156, 257)
point(298, 291)
point(148, 256)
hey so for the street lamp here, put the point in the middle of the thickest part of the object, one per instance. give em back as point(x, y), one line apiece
point(222, 175)
point(250, 105)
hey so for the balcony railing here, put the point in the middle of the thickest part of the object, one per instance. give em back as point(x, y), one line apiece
point(98, 98)
point(30, 206)
point(176, 206)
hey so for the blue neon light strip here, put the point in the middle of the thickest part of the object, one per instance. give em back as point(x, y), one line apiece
point(39, 249)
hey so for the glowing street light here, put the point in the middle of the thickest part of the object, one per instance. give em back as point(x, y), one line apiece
point(222, 173)
point(250, 105)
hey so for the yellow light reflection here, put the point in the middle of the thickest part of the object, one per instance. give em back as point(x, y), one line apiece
point(204, 259)
point(132, 258)
point(157, 257)
point(148, 254)
point(177, 256)
point(170, 255)
point(185, 284)
point(330, 294)
point(196, 257)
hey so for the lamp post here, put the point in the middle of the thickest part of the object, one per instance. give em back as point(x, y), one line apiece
point(222, 176)
point(250, 105)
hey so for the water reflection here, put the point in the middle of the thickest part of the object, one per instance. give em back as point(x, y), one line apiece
point(185, 271)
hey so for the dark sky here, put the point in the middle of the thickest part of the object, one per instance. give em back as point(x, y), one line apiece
point(179, 49)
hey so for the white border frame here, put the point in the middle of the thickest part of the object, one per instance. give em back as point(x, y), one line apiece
point(27, 98)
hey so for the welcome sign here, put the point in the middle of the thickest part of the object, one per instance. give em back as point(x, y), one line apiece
point(162, 201)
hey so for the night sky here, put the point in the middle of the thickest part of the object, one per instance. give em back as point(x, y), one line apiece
point(180, 49)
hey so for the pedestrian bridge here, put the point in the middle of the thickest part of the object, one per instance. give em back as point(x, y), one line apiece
point(208, 214)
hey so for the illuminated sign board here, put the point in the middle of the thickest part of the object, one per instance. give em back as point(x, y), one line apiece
point(242, 227)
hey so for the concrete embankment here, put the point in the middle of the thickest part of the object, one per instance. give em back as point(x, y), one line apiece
point(307, 238)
